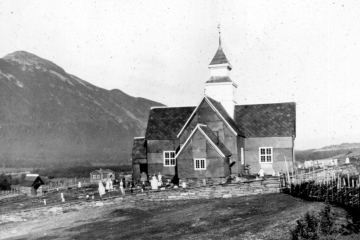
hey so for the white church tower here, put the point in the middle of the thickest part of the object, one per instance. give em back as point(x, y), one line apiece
point(220, 87)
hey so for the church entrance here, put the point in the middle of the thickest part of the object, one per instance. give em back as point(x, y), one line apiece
point(143, 168)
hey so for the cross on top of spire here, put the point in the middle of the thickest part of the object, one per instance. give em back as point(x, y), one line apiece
point(220, 57)
point(219, 35)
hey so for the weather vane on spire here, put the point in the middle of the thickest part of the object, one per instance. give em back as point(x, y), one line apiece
point(219, 35)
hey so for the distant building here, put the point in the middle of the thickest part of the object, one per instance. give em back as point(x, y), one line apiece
point(217, 137)
point(345, 158)
point(31, 185)
point(101, 175)
point(320, 163)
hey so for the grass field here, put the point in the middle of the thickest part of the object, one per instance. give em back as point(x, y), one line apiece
point(267, 216)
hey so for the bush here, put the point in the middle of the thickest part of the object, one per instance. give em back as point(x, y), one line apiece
point(316, 226)
point(306, 228)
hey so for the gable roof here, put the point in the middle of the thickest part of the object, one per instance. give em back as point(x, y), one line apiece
point(30, 180)
point(220, 111)
point(165, 123)
point(220, 57)
point(210, 137)
point(103, 171)
point(139, 148)
point(219, 107)
point(267, 120)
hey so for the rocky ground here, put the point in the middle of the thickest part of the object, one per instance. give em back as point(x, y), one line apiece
point(264, 216)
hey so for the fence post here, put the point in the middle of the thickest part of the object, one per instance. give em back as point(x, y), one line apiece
point(358, 192)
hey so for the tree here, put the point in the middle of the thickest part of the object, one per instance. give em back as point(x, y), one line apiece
point(5, 181)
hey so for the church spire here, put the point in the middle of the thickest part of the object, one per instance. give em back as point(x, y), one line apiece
point(220, 87)
point(220, 58)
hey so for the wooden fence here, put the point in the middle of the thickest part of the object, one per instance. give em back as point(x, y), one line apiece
point(53, 185)
point(324, 185)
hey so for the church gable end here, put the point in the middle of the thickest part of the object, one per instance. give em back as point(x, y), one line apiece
point(203, 147)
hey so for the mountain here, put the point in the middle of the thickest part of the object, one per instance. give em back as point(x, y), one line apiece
point(326, 152)
point(340, 146)
point(48, 116)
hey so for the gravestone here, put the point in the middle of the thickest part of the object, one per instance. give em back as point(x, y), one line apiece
point(101, 189)
point(154, 183)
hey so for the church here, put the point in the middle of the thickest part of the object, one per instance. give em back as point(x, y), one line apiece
point(217, 137)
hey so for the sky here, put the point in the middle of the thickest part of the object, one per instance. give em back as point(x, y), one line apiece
point(306, 52)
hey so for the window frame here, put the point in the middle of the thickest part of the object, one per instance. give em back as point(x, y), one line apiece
point(200, 168)
point(94, 176)
point(266, 154)
point(169, 158)
point(98, 176)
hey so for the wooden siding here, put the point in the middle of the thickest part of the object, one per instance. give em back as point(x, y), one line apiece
point(282, 146)
point(238, 167)
point(155, 156)
point(216, 166)
point(136, 168)
point(207, 116)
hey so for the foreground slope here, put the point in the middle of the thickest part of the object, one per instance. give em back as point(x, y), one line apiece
point(50, 116)
point(265, 217)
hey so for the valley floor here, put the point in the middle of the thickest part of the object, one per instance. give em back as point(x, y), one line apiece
point(267, 216)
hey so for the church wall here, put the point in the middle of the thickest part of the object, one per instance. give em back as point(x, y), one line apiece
point(282, 146)
point(136, 172)
point(186, 133)
point(136, 167)
point(155, 156)
point(239, 165)
point(216, 166)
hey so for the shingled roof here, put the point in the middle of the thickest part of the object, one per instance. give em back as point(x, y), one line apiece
point(139, 149)
point(210, 136)
point(219, 79)
point(31, 180)
point(226, 116)
point(219, 57)
point(165, 123)
point(267, 120)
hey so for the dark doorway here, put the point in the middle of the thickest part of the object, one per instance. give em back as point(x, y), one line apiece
point(143, 168)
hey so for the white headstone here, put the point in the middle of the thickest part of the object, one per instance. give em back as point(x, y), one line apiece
point(154, 183)
point(101, 189)
point(347, 160)
point(183, 184)
point(261, 173)
point(122, 187)
point(79, 185)
point(107, 184)
point(111, 185)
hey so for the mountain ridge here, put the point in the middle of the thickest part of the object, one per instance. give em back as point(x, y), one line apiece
point(50, 116)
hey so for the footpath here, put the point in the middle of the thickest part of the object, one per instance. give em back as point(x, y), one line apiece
point(265, 186)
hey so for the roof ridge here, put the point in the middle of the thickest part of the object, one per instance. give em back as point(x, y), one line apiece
point(170, 107)
point(263, 104)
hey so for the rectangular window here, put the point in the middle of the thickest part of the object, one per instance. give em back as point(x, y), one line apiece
point(169, 158)
point(94, 176)
point(266, 154)
point(98, 176)
point(200, 164)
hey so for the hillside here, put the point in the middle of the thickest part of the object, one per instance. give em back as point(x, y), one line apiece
point(326, 152)
point(340, 146)
point(50, 116)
